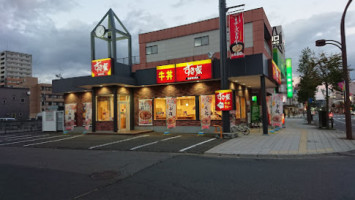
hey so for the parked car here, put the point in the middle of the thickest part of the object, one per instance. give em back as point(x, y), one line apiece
point(353, 112)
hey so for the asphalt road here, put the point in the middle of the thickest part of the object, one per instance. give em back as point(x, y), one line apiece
point(150, 142)
point(40, 173)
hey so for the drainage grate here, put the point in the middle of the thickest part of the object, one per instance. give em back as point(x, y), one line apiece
point(105, 175)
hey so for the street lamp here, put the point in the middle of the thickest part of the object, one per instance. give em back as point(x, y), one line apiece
point(342, 47)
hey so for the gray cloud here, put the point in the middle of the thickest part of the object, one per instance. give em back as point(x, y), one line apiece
point(303, 33)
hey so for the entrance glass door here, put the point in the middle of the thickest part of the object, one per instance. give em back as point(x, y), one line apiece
point(123, 113)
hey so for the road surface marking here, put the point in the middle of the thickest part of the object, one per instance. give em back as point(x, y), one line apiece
point(50, 141)
point(119, 141)
point(170, 138)
point(30, 140)
point(151, 143)
point(303, 142)
point(28, 137)
point(144, 145)
point(187, 148)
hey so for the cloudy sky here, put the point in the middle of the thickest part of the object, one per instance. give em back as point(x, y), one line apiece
point(57, 33)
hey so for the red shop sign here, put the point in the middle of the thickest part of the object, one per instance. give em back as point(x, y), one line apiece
point(101, 67)
point(224, 99)
point(276, 73)
point(192, 71)
point(166, 74)
point(236, 36)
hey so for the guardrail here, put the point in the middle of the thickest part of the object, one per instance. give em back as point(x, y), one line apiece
point(7, 127)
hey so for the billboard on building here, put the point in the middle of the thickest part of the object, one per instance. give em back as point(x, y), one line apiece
point(166, 74)
point(182, 72)
point(276, 73)
point(101, 67)
point(192, 71)
point(289, 78)
point(236, 35)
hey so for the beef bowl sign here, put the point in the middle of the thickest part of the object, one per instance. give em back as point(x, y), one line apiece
point(101, 67)
point(192, 71)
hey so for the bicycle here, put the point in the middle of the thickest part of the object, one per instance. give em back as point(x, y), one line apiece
point(240, 128)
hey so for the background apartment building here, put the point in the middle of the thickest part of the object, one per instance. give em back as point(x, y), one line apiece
point(13, 67)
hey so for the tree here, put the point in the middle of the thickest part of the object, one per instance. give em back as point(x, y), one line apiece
point(309, 79)
point(330, 74)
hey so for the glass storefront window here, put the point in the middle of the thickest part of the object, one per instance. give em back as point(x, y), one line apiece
point(185, 108)
point(215, 115)
point(104, 108)
point(237, 107)
point(160, 109)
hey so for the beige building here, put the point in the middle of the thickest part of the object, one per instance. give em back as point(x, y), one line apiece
point(41, 97)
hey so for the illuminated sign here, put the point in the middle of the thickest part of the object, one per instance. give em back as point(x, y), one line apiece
point(254, 98)
point(192, 71)
point(101, 67)
point(236, 36)
point(276, 73)
point(224, 100)
point(166, 74)
point(289, 78)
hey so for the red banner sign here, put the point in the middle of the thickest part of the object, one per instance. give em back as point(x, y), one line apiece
point(224, 99)
point(101, 67)
point(236, 30)
point(276, 73)
point(166, 74)
point(192, 71)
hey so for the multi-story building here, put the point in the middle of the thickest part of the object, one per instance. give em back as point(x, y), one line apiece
point(13, 67)
point(41, 97)
point(14, 103)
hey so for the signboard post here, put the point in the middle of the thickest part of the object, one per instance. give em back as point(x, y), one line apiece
point(224, 99)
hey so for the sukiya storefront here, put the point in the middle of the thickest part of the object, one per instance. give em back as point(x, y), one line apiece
point(179, 97)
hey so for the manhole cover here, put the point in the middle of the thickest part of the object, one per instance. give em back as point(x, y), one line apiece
point(104, 175)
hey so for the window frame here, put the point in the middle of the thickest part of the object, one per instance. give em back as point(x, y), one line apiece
point(153, 49)
point(110, 111)
point(203, 41)
point(194, 116)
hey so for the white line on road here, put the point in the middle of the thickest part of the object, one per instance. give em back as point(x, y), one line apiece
point(170, 138)
point(119, 141)
point(187, 148)
point(144, 145)
point(29, 140)
point(50, 141)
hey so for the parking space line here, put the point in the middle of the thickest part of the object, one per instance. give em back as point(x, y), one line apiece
point(4, 144)
point(144, 145)
point(119, 141)
point(170, 138)
point(195, 145)
point(51, 141)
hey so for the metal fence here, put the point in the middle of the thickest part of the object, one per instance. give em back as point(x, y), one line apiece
point(7, 127)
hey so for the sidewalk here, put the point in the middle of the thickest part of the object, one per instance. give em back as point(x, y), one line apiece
point(297, 139)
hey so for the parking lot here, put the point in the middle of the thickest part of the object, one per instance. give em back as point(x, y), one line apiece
point(152, 142)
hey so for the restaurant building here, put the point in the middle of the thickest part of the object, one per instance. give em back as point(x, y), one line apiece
point(173, 88)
